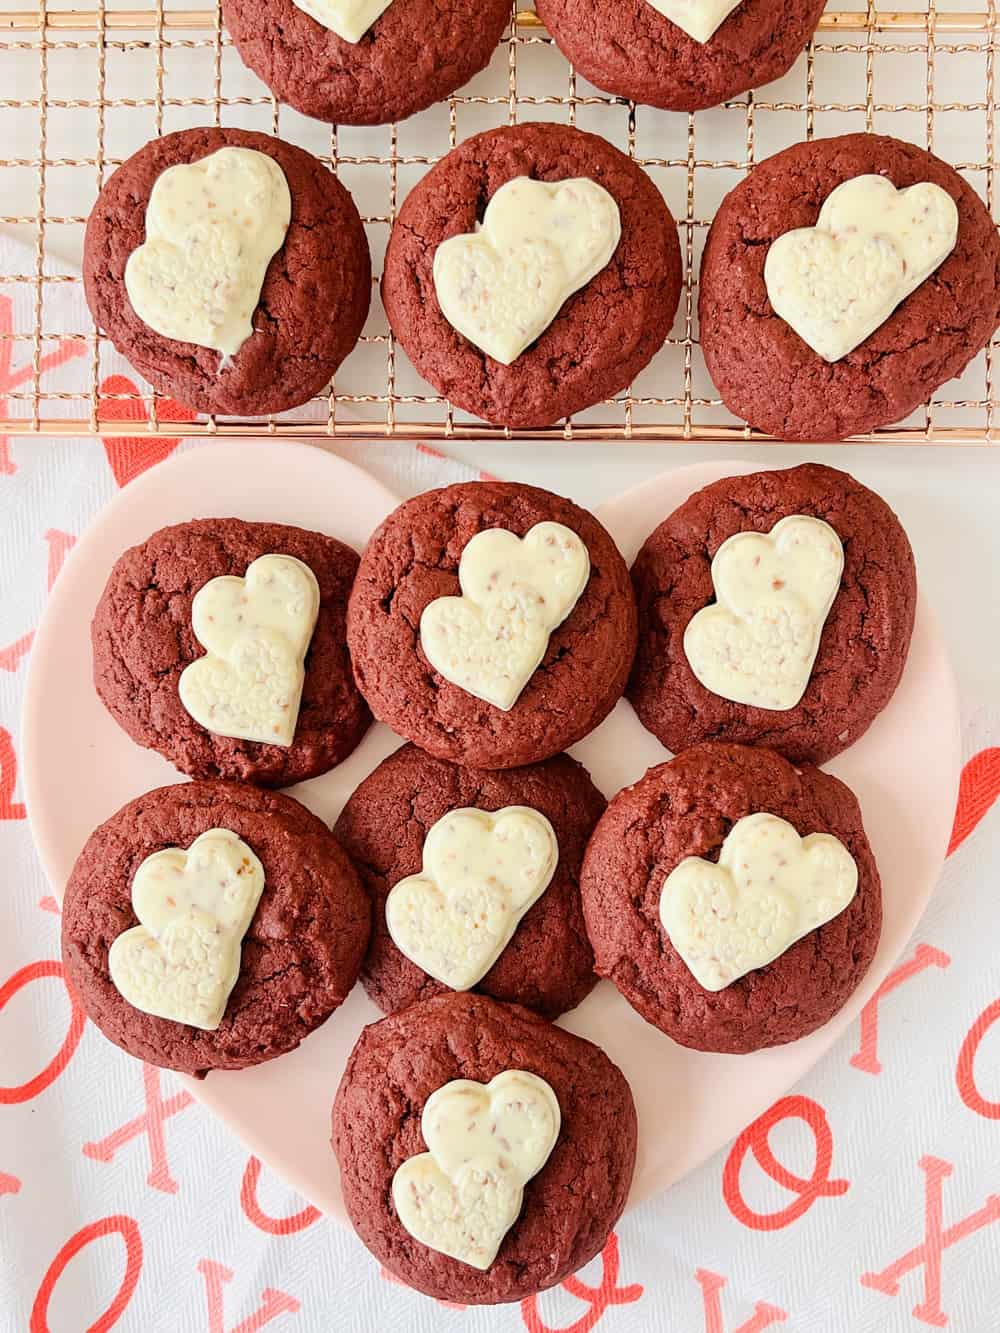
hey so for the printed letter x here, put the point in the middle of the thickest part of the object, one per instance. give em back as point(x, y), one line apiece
point(763, 1316)
point(149, 1123)
point(937, 1239)
point(273, 1303)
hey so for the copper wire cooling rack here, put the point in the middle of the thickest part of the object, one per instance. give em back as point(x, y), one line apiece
point(80, 90)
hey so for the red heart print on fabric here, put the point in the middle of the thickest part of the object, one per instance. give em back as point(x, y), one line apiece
point(979, 788)
point(131, 455)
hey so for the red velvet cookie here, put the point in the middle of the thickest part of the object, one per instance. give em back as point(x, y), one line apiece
point(413, 559)
point(864, 642)
point(300, 955)
point(686, 808)
point(143, 639)
point(633, 51)
point(569, 1207)
point(603, 334)
point(548, 966)
point(313, 303)
point(764, 371)
point(414, 54)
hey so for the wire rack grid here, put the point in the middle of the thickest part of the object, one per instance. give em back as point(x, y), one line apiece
point(80, 90)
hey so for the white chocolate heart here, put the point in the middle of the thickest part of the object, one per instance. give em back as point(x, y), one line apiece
point(485, 1142)
point(256, 631)
point(515, 592)
point(503, 285)
point(481, 873)
point(769, 888)
point(212, 228)
point(698, 18)
point(872, 246)
point(349, 19)
point(194, 907)
point(756, 644)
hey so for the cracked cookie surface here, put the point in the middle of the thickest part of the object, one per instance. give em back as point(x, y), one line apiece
point(602, 336)
point(414, 54)
point(865, 639)
point(569, 1207)
point(301, 953)
point(632, 50)
point(143, 639)
point(313, 302)
point(763, 370)
point(548, 965)
point(686, 808)
point(413, 558)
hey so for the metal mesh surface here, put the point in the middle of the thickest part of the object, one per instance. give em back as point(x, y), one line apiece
point(82, 90)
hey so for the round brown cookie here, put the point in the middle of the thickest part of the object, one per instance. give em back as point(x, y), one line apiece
point(312, 306)
point(142, 640)
point(864, 643)
point(569, 1207)
point(762, 368)
point(548, 966)
point(416, 53)
point(300, 956)
point(686, 808)
point(602, 336)
point(632, 50)
point(413, 558)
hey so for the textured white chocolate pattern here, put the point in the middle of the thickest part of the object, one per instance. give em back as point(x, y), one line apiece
point(698, 18)
point(194, 907)
point(769, 888)
point(484, 1142)
point(515, 592)
point(256, 631)
point(481, 872)
point(873, 245)
point(757, 643)
point(212, 228)
point(502, 285)
point(349, 19)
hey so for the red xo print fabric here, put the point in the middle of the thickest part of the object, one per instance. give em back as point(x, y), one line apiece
point(866, 1198)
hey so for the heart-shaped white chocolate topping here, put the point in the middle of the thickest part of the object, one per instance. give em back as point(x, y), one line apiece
point(756, 644)
point(515, 592)
point(212, 228)
point(503, 285)
point(769, 888)
point(349, 19)
point(485, 1142)
point(256, 631)
point(480, 875)
point(873, 245)
point(698, 18)
point(194, 907)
